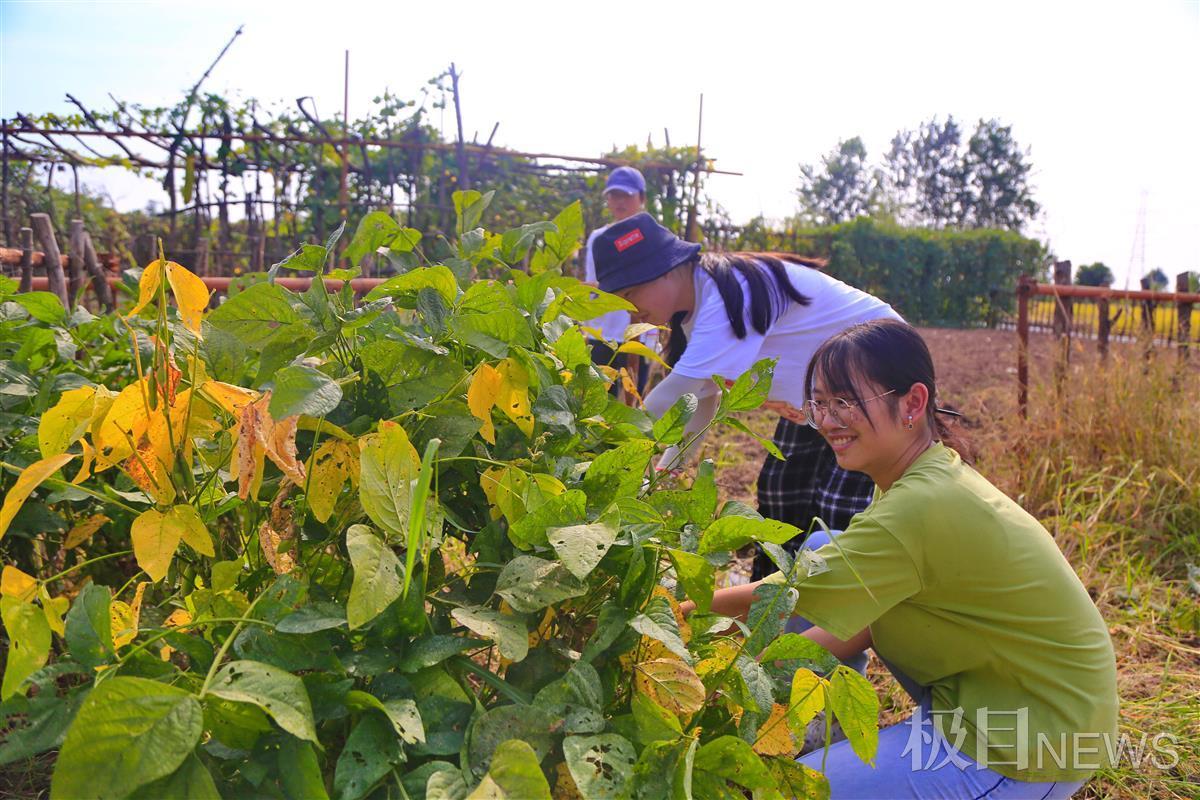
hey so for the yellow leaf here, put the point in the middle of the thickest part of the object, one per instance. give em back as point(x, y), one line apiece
point(639, 349)
point(774, 736)
point(513, 396)
point(194, 532)
point(15, 583)
point(564, 784)
point(250, 452)
point(148, 285)
point(155, 539)
point(638, 329)
point(190, 293)
point(481, 397)
point(229, 397)
point(29, 479)
point(807, 698)
point(505, 489)
point(54, 608)
point(326, 428)
point(85, 466)
point(84, 530)
point(124, 617)
point(62, 425)
point(629, 385)
point(279, 440)
point(127, 413)
point(180, 616)
point(331, 468)
point(101, 403)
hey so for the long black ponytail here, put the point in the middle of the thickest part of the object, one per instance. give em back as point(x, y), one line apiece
point(770, 292)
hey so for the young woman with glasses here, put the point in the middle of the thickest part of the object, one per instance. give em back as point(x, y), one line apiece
point(727, 311)
point(960, 592)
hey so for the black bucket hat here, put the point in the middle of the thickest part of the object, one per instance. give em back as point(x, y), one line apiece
point(637, 250)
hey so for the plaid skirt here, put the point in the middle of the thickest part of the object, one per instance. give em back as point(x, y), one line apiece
point(808, 484)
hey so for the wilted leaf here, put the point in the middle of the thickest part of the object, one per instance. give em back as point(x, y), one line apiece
point(672, 684)
point(774, 736)
point(84, 530)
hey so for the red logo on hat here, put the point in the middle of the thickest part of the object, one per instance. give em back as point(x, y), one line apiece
point(629, 240)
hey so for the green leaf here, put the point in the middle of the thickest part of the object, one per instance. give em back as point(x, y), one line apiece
point(42, 306)
point(617, 473)
point(683, 776)
point(303, 390)
point(572, 349)
point(530, 530)
point(668, 429)
point(405, 289)
point(654, 723)
point(702, 497)
point(749, 391)
point(507, 631)
point(600, 765)
point(790, 646)
point(431, 650)
point(389, 466)
point(731, 758)
point(731, 533)
point(758, 683)
point(192, 781)
point(375, 230)
point(493, 332)
point(376, 576)
point(582, 547)
point(254, 315)
point(854, 703)
point(611, 622)
point(416, 520)
point(469, 206)
point(129, 732)
point(369, 753)
point(300, 772)
point(530, 724)
point(767, 444)
point(560, 244)
point(530, 584)
point(515, 774)
point(658, 622)
point(446, 784)
point(279, 693)
point(769, 610)
point(320, 616)
point(697, 577)
point(89, 626)
point(400, 711)
point(28, 643)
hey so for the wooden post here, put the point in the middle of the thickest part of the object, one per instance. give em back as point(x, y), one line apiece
point(26, 259)
point(1184, 311)
point(1063, 318)
point(75, 258)
point(1105, 326)
point(99, 275)
point(145, 250)
point(1024, 290)
point(1147, 310)
point(43, 228)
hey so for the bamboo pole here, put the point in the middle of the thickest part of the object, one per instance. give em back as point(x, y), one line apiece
point(26, 259)
point(99, 275)
point(1024, 290)
point(75, 261)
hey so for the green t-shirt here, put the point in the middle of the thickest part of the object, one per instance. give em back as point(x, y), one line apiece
point(971, 597)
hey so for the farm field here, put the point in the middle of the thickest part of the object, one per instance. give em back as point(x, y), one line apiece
point(1113, 471)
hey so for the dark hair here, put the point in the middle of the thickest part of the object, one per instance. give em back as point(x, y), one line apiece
point(770, 292)
point(892, 355)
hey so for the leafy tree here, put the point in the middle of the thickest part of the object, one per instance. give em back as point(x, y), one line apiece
point(1097, 274)
point(842, 188)
point(924, 174)
point(1157, 279)
point(996, 190)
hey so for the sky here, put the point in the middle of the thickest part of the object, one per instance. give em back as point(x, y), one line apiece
point(1105, 95)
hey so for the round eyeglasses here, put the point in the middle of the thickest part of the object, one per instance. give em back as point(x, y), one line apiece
point(839, 408)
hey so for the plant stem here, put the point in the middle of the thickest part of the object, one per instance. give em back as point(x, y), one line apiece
point(69, 570)
point(212, 670)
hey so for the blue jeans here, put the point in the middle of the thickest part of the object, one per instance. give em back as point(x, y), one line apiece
point(815, 540)
point(915, 761)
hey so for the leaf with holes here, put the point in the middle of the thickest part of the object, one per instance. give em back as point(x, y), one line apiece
point(600, 765)
point(279, 693)
point(530, 584)
point(582, 547)
point(508, 632)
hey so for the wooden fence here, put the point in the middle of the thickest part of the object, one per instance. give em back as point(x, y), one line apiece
point(1145, 316)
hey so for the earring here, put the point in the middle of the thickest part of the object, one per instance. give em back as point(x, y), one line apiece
point(909, 425)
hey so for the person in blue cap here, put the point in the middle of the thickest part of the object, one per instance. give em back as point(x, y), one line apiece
point(726, 311)
point(624, 195)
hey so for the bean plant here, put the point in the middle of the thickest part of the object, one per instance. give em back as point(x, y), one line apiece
point(403, 545)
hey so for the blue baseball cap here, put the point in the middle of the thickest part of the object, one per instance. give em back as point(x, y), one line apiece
point(625, 179)
point(637, 250)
